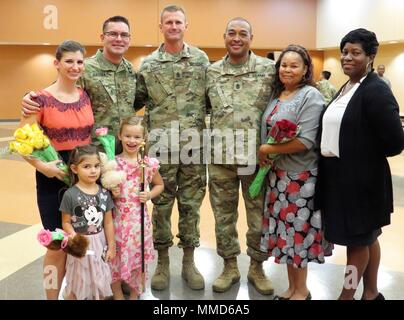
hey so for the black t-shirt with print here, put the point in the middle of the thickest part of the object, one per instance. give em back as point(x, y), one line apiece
point(87, 210)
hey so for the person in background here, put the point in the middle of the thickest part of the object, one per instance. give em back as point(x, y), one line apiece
point(360, 129)
point(325, 87)
point(271, 56)
point(380, 72)
point(292, 230)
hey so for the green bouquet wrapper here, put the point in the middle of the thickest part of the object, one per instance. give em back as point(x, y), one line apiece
point(31, 142)
point(107, 141)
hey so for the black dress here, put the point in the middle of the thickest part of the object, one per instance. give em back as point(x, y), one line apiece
point(49, 194)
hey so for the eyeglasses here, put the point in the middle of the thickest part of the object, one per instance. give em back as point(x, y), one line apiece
point(115, 35)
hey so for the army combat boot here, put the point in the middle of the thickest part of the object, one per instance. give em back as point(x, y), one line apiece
point(257, 278)
point(161, 276)
point(189, 272)
point(230, 275)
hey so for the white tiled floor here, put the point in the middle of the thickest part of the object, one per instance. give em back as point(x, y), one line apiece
point(18, 211)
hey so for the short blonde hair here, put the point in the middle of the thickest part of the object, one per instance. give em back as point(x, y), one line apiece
point(172, 8)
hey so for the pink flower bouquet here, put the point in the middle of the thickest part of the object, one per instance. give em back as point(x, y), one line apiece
point(59, 239)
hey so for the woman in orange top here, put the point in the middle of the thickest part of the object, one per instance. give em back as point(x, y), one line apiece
point(67, 119)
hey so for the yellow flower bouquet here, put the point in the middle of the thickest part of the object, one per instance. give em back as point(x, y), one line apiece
point(31, 142)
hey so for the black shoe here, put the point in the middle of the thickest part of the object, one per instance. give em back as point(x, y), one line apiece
point(125, 288)
point(378, 297)
point(308, 296)
point(281, 298)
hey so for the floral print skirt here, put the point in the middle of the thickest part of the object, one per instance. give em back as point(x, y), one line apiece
point(291, 228)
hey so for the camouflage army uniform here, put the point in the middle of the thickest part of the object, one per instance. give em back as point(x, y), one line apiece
point(111, 89)
point(327, 90)
point(173, 89)
point(238, 95)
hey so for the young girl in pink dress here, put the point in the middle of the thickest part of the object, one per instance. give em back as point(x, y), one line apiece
point(127, 265)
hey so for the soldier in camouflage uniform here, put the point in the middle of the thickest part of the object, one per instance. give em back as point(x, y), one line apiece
point(108, 78)
point(325, 87)
point(380, 72)
point(238, 87)
point(171, 83)
point(112, 90)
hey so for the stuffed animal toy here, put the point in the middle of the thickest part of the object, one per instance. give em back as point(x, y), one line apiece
point(110, 176)
point(58, 239)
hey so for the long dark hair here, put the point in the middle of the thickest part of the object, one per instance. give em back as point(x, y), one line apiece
point(77, 156)
point(277, 85)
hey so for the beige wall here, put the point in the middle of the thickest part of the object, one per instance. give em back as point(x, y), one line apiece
point(392, 56)
point(22, 21)
point(276, 23)
point(335, 18)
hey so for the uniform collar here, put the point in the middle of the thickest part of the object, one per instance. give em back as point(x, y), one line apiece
point(249, 65)
point(108, 65)
point(164, 56)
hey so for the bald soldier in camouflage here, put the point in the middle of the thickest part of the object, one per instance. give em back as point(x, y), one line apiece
point(108, 78)
point(171, 82)
point(238, 88)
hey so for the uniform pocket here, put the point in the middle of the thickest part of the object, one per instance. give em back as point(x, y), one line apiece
point(158, 86)
point(197, 85)
point(130, 89)
point(110, 88)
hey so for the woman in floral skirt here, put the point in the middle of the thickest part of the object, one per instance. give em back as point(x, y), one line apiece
point(291, 227)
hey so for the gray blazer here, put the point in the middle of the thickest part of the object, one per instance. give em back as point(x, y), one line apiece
point(304, 109)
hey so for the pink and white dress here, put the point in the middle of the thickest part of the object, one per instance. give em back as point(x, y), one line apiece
point(127, 266)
